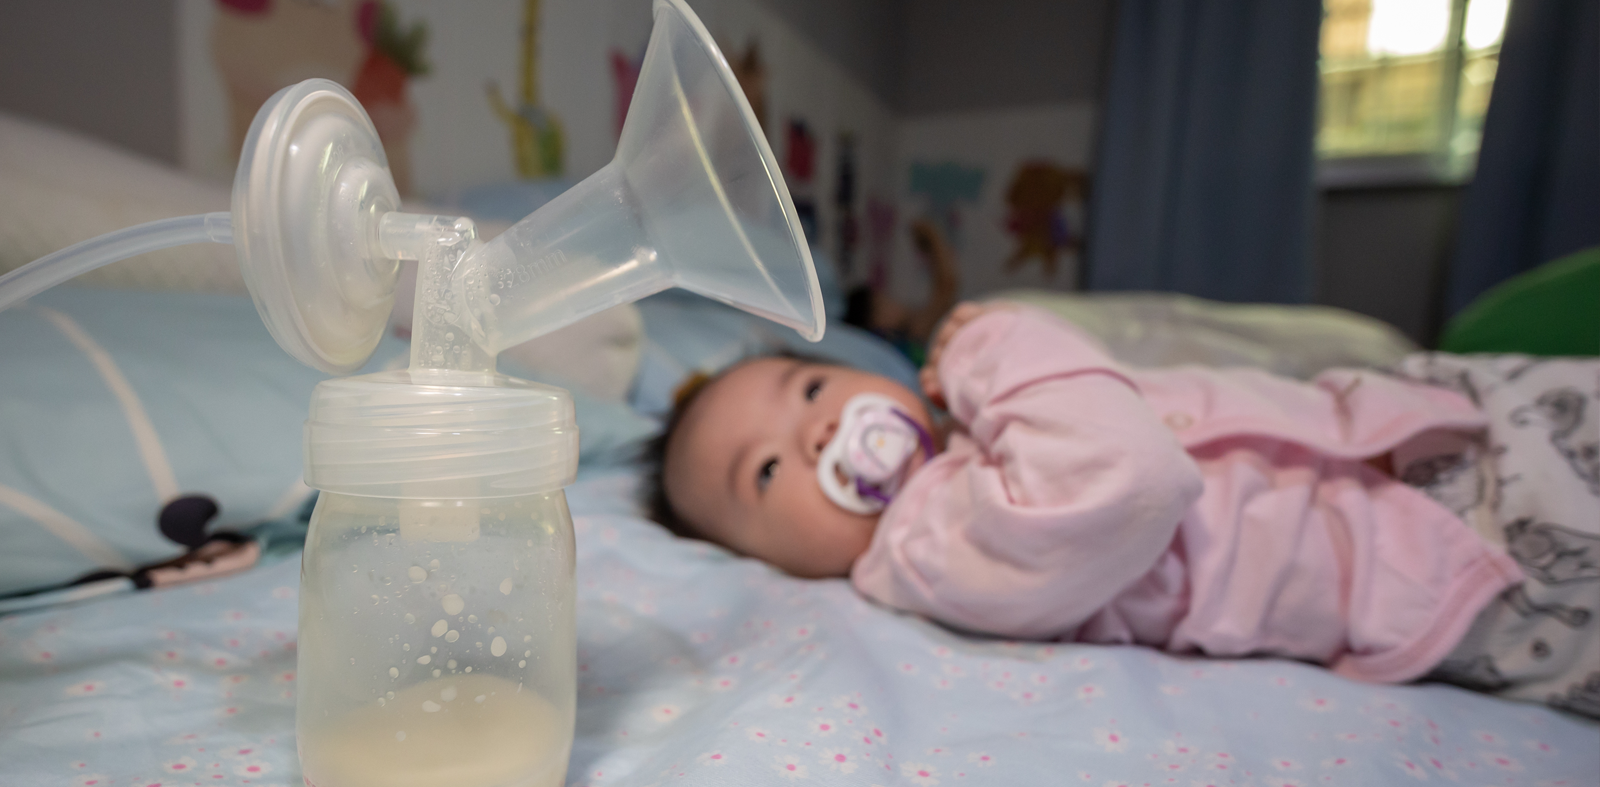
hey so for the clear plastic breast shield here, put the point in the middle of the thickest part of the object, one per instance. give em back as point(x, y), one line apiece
point(446, 654)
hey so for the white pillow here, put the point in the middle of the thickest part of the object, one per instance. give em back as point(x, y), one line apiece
point(1167, 329)
point(58, 188)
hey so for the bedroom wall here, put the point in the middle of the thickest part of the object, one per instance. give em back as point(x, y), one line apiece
point(984, 88)
point(1382, 252)
point(102, 68)
point(459, 144)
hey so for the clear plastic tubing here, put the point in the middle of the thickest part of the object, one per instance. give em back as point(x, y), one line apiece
point(50, 270)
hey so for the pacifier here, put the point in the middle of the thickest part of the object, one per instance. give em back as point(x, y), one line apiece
point(864, 465)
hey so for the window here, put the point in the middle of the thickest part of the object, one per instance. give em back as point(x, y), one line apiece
point(1405, 84)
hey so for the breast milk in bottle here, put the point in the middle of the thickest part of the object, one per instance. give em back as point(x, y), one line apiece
point(436, 605)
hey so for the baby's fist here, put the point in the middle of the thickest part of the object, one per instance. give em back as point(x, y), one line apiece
point(962, 314)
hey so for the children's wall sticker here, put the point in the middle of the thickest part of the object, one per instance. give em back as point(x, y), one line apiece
point(946, 187)
point(394, 55)
point(537, 140)
point(260, 46)
point(1044, 213)
point(844, 200)
point(799, 165)
point(751, 71)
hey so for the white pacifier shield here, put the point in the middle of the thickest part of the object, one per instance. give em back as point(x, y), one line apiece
point(873, 444)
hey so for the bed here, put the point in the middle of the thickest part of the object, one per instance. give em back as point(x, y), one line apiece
point(695, 666)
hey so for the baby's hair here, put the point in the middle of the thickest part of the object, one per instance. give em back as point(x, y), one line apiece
point(657, 506)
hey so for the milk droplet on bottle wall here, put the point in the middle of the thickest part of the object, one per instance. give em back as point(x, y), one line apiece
point(453, 604)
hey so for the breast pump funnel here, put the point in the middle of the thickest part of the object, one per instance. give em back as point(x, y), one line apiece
point(693, 199)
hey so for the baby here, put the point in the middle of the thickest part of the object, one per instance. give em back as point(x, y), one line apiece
point(1227, 512)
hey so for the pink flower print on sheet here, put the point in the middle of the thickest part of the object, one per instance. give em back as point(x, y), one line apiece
point(789, 767)
point(712, 758)
point(824, 727)
point(1110, 740)
point(88, 688)
point(759, 735)
point(920, 774)
point(1504, 762)
point(838, 760)
point(252, 769)
point(1027, 696)
point(784, 701)
point(1410, 767)
point(849, 705)
point(91, 780)
point(665, 713)
point(980, 759)
point(174, 680)
point(1318, 704)
point(181, 765)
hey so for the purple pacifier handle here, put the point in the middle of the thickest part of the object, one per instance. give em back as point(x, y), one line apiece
point(922, 434)
point(864, 490)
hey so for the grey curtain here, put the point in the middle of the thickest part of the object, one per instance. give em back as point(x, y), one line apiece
point(1536, 194)
point(1203, 183)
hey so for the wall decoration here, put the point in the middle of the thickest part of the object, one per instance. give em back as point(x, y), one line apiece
point(394, 56)
point(799, 168)
point(1038, 202)
point(970, 173)
point(565, 70)
point(844, 202)
point(751, 71)
point(624, 77)
point(881, 217)
point(261, 46)
point(537, 140)
point(945, 186)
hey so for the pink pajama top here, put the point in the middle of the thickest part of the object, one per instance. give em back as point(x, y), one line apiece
point(1226, 512)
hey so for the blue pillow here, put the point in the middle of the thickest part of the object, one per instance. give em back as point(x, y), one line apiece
point(685, 333)
point(114, 402)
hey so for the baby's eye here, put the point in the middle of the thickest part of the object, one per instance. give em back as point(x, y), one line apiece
point(769, 468)
point(812, 389)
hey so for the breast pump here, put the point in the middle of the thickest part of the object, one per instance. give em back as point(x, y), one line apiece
point(437, 640)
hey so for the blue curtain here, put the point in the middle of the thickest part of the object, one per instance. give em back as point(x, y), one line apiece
point(1203, 183)
point(1536, 194)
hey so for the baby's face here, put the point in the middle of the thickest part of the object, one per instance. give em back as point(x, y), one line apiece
point(742, 465)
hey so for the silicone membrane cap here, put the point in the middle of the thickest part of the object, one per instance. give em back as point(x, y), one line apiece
point(311, 184)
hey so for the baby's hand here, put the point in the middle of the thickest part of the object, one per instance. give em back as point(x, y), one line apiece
point(962, 314)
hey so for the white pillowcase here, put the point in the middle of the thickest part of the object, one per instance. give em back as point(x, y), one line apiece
point(58, 188)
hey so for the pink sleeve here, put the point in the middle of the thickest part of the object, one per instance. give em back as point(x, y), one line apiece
point(1064, 490)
